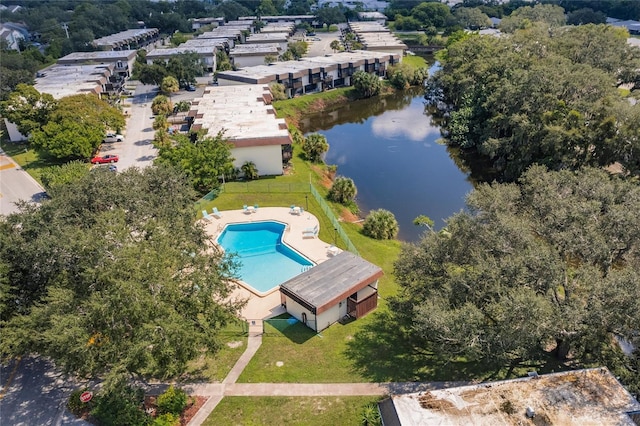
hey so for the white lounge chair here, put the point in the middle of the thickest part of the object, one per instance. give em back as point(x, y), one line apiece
point(216, 213)
point(310, 232)
point(206, 216)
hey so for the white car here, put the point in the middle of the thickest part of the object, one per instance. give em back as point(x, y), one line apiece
point(113, 137)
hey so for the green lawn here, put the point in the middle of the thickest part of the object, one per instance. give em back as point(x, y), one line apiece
point(292, 108)
point(416, 61)
point(29, 159)
point(214, 368)
point(311, 411)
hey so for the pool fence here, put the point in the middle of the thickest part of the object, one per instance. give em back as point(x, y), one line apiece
point(263, 186)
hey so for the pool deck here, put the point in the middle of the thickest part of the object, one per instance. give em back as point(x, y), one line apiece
point(260, 307)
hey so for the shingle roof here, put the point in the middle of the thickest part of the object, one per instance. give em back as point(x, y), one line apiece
point(322, 286)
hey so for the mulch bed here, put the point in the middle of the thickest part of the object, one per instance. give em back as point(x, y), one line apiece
point(196, 402)
point(191, 410)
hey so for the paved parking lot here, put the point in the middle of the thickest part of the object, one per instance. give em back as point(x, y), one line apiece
point(319, 44)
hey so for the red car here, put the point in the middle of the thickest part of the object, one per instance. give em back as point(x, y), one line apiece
point(104, 159)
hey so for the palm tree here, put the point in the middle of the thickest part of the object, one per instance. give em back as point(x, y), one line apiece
point(249, 170)
point(314, 146)
point(335, 45)
point(343, 190)
point(380, 224)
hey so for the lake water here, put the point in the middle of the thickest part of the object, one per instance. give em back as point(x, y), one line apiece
point(389, 147)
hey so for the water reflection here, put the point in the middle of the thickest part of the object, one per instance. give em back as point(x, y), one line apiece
point(389, 147)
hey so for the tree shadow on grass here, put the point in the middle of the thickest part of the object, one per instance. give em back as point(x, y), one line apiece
point(285, 325)
point(383, 352)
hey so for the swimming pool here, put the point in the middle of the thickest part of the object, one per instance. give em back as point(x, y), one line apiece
point(266, 262)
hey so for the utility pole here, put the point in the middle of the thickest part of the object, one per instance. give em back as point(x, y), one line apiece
point(65, 27)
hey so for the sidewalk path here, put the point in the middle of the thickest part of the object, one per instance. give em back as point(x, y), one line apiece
point(229, 387)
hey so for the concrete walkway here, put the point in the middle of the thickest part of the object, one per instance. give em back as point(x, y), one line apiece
point(229, 387)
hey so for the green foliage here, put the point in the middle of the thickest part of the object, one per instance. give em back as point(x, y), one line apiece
point(56, 176)
point(27, 108)
point(203, 161)
point(184, 67)
point(343, 190)
point(161, 105)
point(76, 406)
point(102, 282)
point(586, 16)
point(314, 146)
point(432, 14)
point(330, 15)
point(249, 170)
point(172, 401)
point(335, 45)
point(169, 85)
point(182, 106)
point(76, 127)
point(423, 220)
point(401, 75)
point(270, 59)
point(531, 266)
point(522, 18)
point(371, 416)
point(166, 419)
point(367, 85)
point(222, 61)
point(120, 404)
point(380, 224)
point(297, 48)
point(178, 38)
point(472, 18)
point(519, 107)
point(277, 90)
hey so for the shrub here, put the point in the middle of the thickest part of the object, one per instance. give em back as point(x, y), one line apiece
point(249, 170)
point(120, 405)
point(166, 419)
point(76, 406)
point(343, 190)
point(173, 401)
point(380, 224)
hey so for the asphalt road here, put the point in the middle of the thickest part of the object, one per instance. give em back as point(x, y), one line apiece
point(33, 393)
point(16, 184)
point(137, 149)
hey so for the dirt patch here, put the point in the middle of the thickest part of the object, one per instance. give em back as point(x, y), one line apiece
point(430, 402)
point(347, 216)
point(235, 344)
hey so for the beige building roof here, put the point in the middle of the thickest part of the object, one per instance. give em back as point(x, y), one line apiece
point(66, 80)
point(580, 398)
point(255, 49)
point(243, 112)
point(267, 37)
point(99, 56)
point(124, 37)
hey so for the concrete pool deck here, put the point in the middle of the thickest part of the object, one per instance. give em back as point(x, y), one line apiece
point(260, 307)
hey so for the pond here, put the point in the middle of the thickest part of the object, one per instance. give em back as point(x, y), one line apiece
point(389, 147)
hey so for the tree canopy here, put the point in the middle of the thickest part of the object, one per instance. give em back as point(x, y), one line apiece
point(202, 161)
point(76, 127)
point(113, 274)
point(551, 264)
point(552, 100)
point(27, 108)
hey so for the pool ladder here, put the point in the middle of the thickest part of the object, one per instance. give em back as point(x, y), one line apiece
point(306, 268)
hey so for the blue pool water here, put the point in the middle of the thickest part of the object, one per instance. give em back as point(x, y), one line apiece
point(266, 262)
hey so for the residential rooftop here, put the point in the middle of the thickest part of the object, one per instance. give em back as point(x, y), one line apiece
point(222, 32)
point(255, 49)
point(244, 114)
point(581, 397)
point(66, 80)
point(368, 27)
point(98, 56)
point(278, 27)
point(264, 74)
point(267, 37)
point(163, 53)
point(125, 37)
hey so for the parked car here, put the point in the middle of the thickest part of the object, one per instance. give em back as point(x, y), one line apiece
point(191, 88)
point(104, 159)
point(113, 137)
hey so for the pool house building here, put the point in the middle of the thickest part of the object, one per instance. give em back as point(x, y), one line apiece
point(344, 285)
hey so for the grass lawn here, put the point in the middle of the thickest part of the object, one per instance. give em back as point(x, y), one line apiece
point(320, 411)
point(291, 108)
point(416, 61)
point(30, 160)
point(214, 368)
